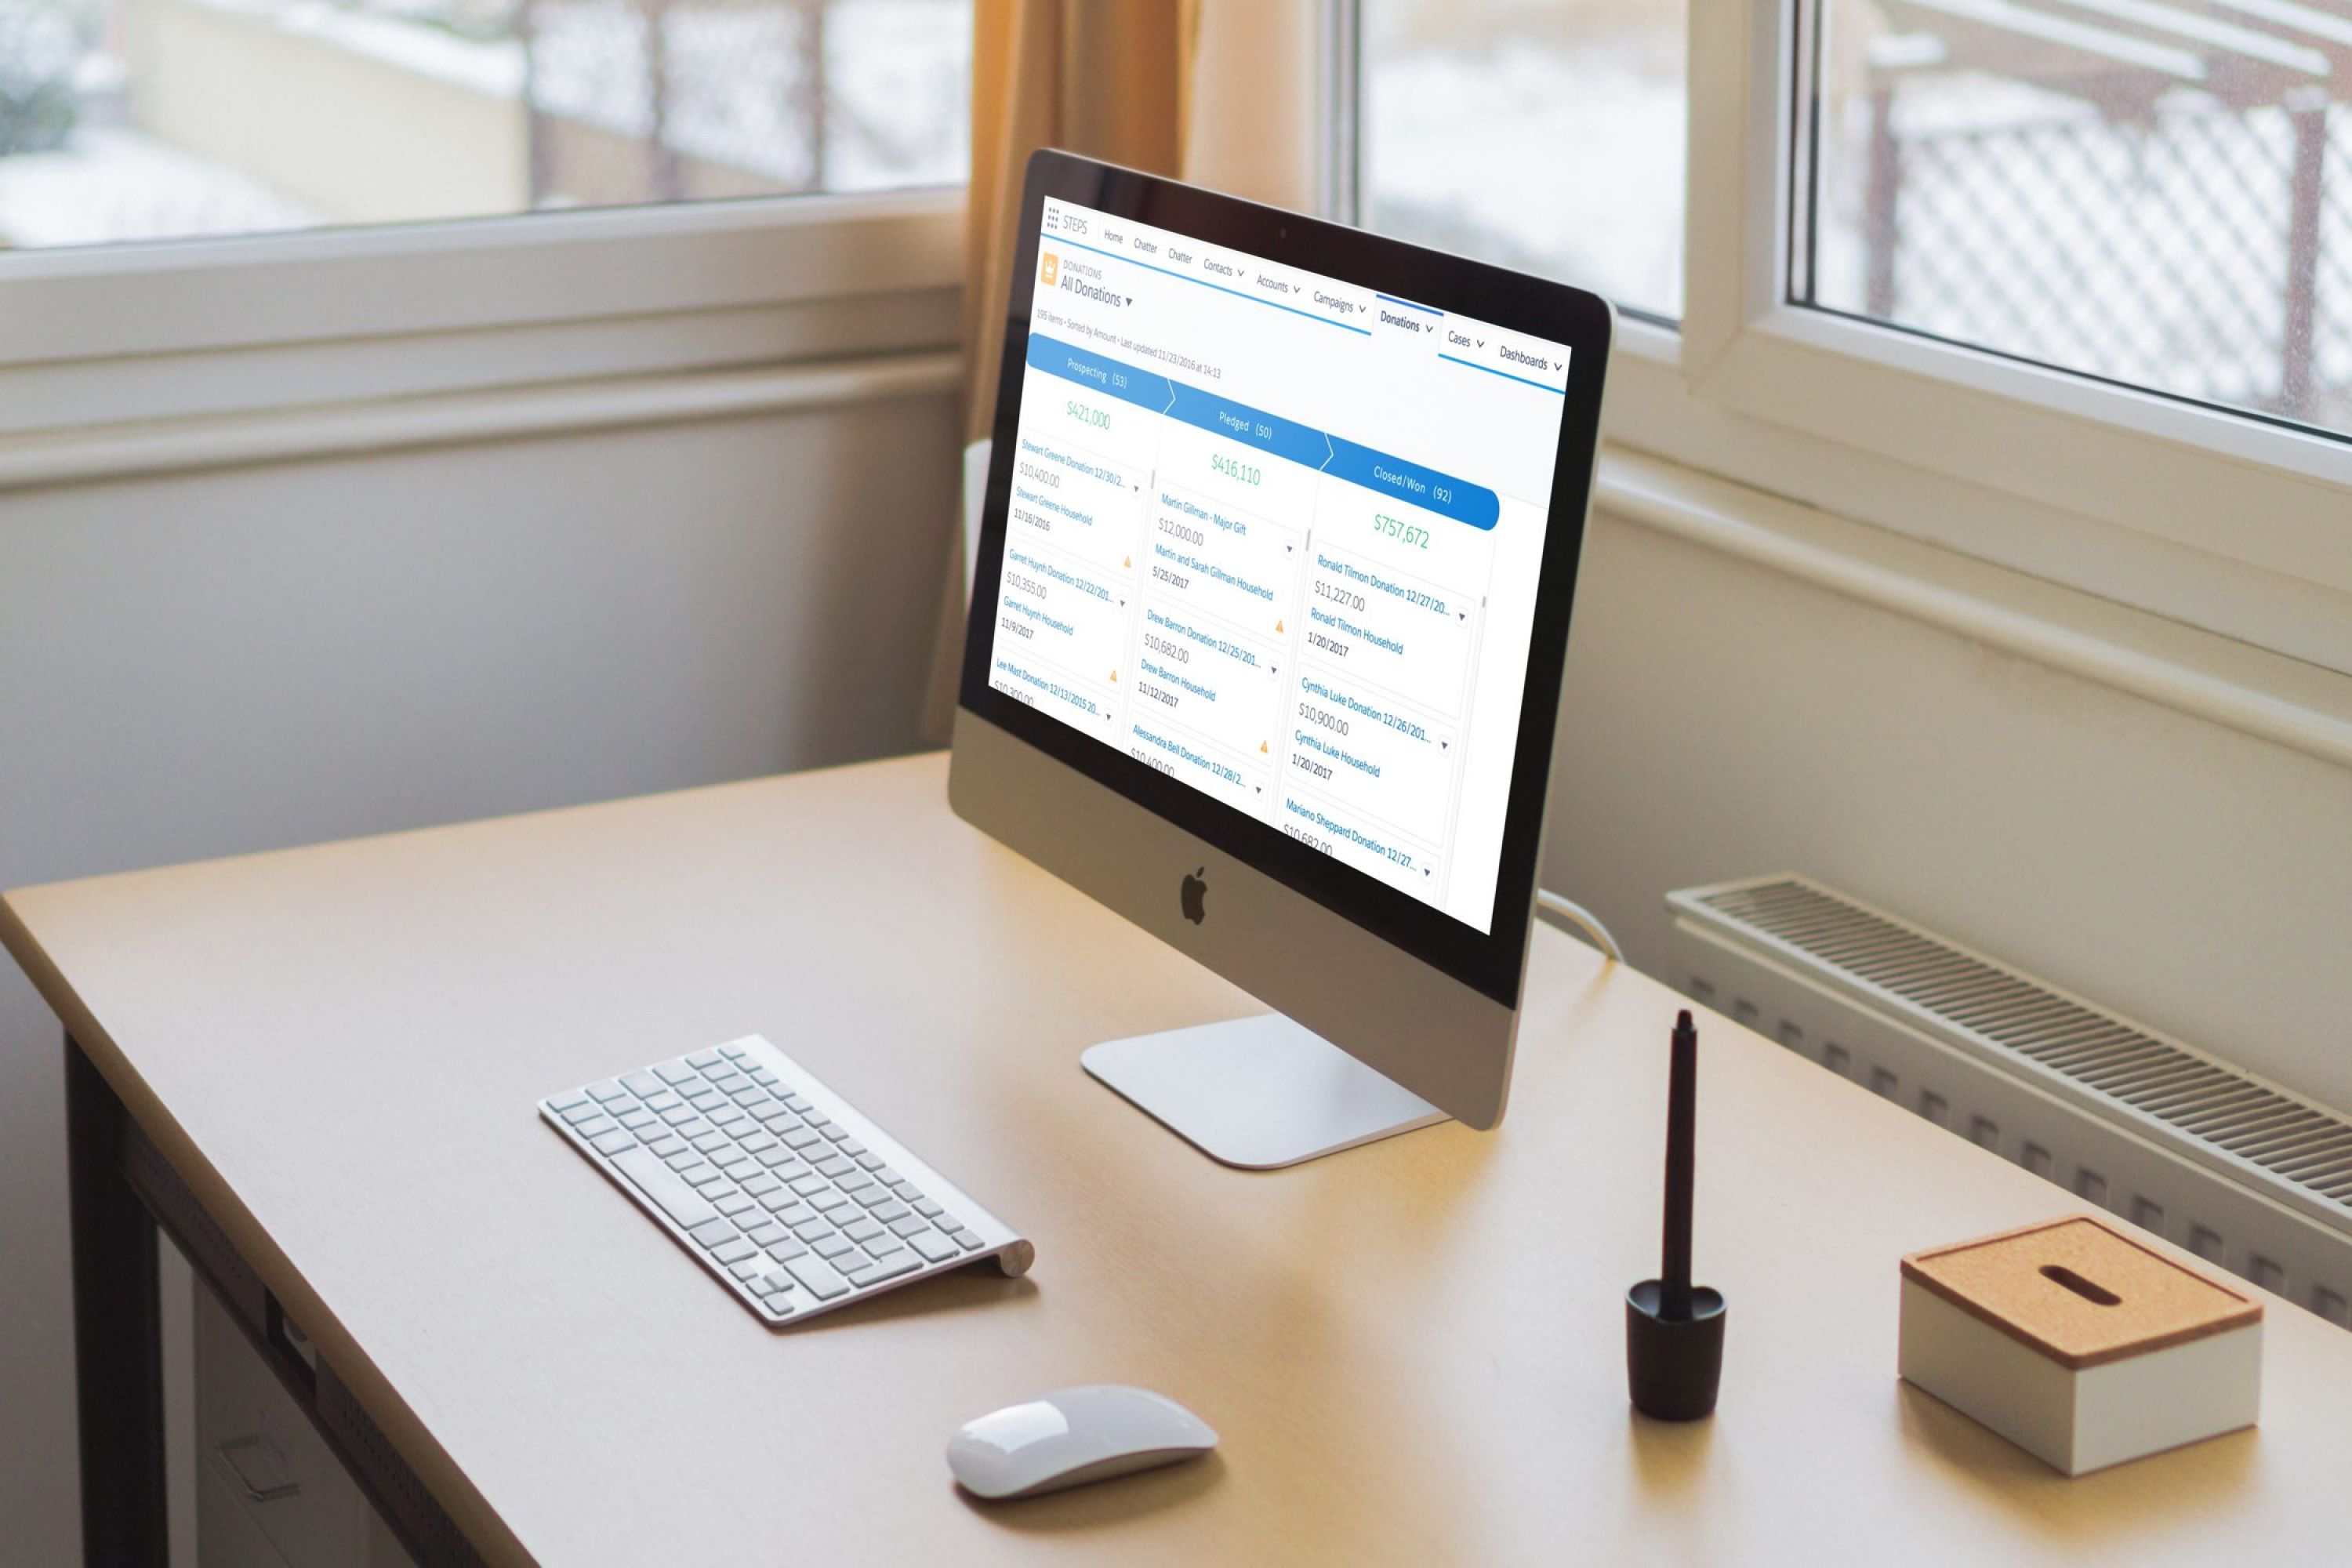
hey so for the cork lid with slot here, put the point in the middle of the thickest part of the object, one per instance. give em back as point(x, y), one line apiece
point(2079, 1291)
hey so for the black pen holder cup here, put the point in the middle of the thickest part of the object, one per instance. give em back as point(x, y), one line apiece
point(1674, 1365)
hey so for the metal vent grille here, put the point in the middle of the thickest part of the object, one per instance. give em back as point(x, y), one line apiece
point(2242, 1173)
point(2292, 1140)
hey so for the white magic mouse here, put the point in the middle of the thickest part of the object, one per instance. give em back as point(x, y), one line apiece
point(1074, 1435)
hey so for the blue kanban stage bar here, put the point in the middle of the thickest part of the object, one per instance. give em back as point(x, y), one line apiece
point(1269, 433)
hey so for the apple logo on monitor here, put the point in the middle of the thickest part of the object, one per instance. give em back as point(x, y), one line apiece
point(1195, 893)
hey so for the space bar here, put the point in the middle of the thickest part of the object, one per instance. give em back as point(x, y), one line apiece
point(659, 1183)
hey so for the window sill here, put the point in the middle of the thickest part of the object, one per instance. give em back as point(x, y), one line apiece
point(2284, 700)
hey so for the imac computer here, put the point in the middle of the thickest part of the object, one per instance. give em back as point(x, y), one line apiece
point(1267, 628)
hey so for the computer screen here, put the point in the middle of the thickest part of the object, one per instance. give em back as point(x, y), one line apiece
point(1279, 537)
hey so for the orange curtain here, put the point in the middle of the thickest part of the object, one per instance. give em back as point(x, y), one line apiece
point(1110, 79)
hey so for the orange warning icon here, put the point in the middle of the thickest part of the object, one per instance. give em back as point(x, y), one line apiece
point(1278, 626)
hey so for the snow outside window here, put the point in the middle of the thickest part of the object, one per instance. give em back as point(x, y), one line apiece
point(127, 120)
point(2157, 192)
point(1548, 138)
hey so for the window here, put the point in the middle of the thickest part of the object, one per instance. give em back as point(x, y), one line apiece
point(2064, 285)
point(1470, 108)
point(124, 119)
point(2153, 191)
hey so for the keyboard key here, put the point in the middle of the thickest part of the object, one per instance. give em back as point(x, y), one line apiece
point(749, 1095)
point(663, 1101)
point(966, 1239)
point(679, 1115)
point(735, 1166)
point(935, 1247)
point(706, 1099)
point(798, 1214)
point(873, 1197)
point(731, 1123)
point(644, 1085)
point(780, 1159)
point(732, 1207)
point(817, 1277)
point(797, 1103)
point(562, 1104)
point(712, 1231)
point(926, 1208)
point(776, 1113)
point(815, 1118)
point(858, 1181)
point(704, 1176)
point(657, 1182)
point(714, 1139)
point(802, 1137)
point(666, 1144)
point(585, 1111)
point(767, 1231)
point(835, 1131)
point(891, 1211)
point(831, 1203)
point(612, 1142)
point(748, 1268)
point(870, 1159)
point(684, 1160)
point(861, 1230)
point(676, 1073)
point(761, 1184)
point(812, 1182)
point(875, 1272)
point(835, 1168)
point(777, 1202)
point(638, 1120)
point(703, 1059)
point(721, 1075)
point(609, 1092)
point(816, 1228)
point(786, 1249)
point(735, 1053)
point(909, 1225)
point(733, 1251)
point(908, 1190)
point(753, 1141)
point(851, 1146)
point(832, 1245)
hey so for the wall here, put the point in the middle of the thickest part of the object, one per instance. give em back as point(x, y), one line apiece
point(222, 662)
point(1723, 719)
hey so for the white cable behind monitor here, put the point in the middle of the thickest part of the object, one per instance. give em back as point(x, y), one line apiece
point(1575, 916)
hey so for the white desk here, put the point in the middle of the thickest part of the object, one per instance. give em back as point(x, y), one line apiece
point(1413, 1351)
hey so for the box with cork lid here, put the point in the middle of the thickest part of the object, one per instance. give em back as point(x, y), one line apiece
point(2080, 1344)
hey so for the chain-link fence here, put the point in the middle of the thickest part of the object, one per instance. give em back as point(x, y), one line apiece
point(632, 101)
point(2202, 250)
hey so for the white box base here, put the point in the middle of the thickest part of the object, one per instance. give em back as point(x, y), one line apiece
point(2082, 1420)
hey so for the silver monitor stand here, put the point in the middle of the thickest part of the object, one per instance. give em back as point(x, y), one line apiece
point(1259, 1092)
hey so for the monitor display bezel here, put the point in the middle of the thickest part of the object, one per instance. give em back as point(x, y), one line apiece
point(1492, 961)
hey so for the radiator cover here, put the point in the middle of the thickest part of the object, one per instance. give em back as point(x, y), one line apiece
point(2246, 1174)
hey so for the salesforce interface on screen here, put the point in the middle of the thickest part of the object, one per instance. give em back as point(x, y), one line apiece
point(1277, 536)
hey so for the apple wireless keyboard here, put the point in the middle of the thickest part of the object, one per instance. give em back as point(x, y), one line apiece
point(795, 1201)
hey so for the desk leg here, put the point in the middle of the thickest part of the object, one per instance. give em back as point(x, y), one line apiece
point(118, 1335)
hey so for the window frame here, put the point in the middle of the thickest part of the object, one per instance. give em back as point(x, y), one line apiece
point(266, 290)
point(2231, 523)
